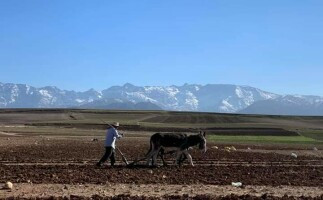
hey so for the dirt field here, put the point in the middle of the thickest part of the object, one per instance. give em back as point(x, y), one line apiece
point(52, 166)
point(49, 154)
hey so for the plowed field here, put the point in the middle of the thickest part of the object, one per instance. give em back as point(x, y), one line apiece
point(71, 161)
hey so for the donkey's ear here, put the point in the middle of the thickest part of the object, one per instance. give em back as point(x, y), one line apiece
point(201, 132)
point(204, 133)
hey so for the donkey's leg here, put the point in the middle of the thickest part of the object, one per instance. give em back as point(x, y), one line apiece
point(189, 157)
point(155, 157)
point(178, 156)
point(150, 154)
point(182, 159)
point(161, 155)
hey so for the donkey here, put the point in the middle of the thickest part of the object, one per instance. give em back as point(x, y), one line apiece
point(179, 141)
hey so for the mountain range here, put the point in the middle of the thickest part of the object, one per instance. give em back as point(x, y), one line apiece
point(223, 98)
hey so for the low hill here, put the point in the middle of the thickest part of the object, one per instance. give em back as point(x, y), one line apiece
point(119, 104)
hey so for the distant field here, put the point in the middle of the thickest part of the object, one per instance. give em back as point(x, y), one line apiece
point(156, 118)
point(196, 118)
point(220, 127)
point(314, 134)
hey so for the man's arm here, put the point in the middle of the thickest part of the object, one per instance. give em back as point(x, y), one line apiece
point(118, 135)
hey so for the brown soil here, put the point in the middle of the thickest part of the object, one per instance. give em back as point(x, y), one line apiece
point(51, 160)
point(158, 191)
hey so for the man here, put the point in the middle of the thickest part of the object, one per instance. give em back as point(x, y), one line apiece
point(111, 136)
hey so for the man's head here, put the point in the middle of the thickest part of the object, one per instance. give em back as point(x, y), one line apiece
point(115, 124)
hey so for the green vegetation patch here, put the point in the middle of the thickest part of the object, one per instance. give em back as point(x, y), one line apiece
point(261, 139)
point(314, 134)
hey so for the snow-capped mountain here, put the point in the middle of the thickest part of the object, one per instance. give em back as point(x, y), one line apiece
point(288, 105)
point(223, 98)
point(25, 96)
point(193, 97)
point(211, 97)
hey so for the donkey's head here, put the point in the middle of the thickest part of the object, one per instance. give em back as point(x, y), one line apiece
point(202, 141)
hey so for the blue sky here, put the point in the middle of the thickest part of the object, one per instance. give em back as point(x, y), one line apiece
point(274, 45)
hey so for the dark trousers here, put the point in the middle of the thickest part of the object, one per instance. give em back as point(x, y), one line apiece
point(109, 153)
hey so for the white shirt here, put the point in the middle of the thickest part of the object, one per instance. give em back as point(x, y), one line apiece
point(111, 136)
